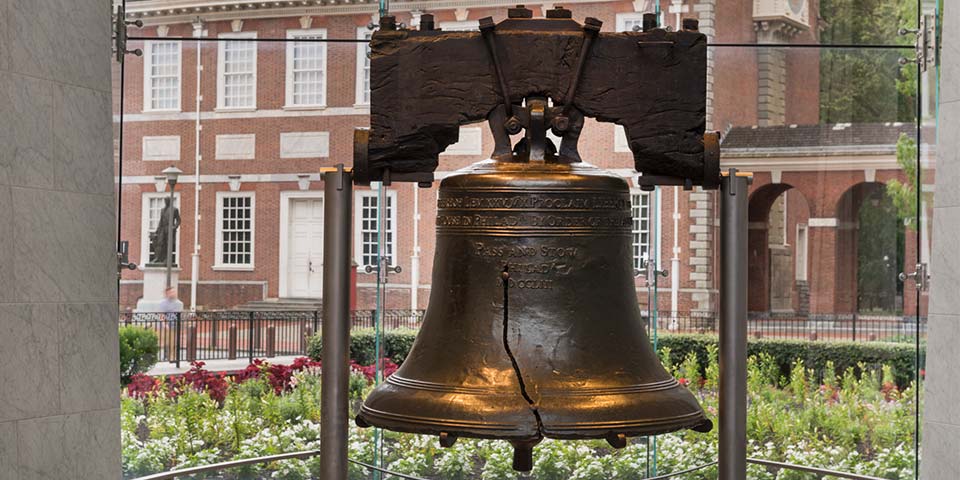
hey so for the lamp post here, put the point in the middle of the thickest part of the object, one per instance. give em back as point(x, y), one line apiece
point(172, 174)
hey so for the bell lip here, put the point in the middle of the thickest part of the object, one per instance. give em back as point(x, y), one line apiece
point(696, 421)
point(658, 426)
point(369, 417)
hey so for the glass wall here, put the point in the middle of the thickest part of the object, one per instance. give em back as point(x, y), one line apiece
point(820, 100)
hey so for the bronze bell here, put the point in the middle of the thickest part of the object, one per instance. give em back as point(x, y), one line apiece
point(533, 328)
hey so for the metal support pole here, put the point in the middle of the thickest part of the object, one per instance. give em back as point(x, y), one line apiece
point(176, 342)
point(250, 337)
point(170, 238)
point(335, 378)
point(733, 326)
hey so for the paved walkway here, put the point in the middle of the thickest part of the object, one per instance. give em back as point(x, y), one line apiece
point(167, 368)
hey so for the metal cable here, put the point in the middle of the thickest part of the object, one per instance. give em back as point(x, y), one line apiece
point(801, 468)
point(681, 472)
point(383, 470)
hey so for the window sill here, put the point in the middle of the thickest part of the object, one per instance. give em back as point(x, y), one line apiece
point(232, 268)
point(303, 107)
point(234, 109)
point(160, 111)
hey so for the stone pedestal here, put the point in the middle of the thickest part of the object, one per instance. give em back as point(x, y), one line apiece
point(154, 283)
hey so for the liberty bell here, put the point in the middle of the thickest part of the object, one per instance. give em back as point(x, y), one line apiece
point(533, 329)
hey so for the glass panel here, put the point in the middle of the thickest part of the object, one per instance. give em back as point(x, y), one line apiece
point(824, 131)
point(819, 128)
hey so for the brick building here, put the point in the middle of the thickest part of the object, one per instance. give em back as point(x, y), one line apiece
point(217, 90)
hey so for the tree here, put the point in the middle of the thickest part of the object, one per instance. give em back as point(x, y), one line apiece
point(904, 194)
point(864, 85)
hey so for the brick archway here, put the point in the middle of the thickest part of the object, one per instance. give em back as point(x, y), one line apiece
point(847, 250)
point(777, 264)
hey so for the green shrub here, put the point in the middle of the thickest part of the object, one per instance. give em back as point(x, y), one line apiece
point(396, 345)
point(814, 354)
point(138, 351)
point(676, 347)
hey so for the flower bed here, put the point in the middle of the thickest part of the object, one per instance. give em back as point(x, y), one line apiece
point(853, 421)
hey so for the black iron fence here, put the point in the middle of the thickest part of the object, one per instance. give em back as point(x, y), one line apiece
point(230, 335)
point(849, 327)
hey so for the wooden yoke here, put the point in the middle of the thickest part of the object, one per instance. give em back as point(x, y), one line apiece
point(426, 83)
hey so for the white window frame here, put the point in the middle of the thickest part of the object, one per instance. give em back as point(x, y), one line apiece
point(218, 260)
point(358, 221)
point(621, 144)
point(623, 18)
point(460, 26)
point(221, 77)
point(145, 224)
point(293, 35)
point(147, 84)
point(469, 143)
point(650, 231)
point(363, 68)
point(802, 252)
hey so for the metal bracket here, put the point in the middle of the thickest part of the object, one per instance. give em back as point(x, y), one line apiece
point(385, 268)
point(123, 257)
point(120, 24)
point(921, 277)
point(927, 45)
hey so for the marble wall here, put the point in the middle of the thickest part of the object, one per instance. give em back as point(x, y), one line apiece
point(941, 416)
point(59, 408)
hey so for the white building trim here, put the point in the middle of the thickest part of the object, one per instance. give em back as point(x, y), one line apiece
point(823, 222)
point(156, 12)
point(239, 146)
point(160, 148)
point(304, 144)
point(470, 142)
point(242, 114)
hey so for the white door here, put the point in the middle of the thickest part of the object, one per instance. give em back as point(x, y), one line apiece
point(305, 261)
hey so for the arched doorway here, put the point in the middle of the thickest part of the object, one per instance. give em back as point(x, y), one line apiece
point(869, 252)
point(778, 252)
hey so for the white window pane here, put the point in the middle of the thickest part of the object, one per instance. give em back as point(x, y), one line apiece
point(640, 209)
point(307, 71)
point(369, 229)
point(236, 234)
point(163, 79)
point(239, 75)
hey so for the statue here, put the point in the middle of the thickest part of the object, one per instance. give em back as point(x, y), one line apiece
point(159, 237)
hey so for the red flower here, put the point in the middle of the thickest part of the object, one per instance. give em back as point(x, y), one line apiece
point(370, 371)
point(142, 385)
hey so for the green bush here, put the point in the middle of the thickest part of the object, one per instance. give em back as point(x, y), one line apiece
point(396, 345)
point(138, 351)
point(815, 354)
point(900, 357)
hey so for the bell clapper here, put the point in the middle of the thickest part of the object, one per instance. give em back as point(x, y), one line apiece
point(617, 440)
point(523, 454)
point(447, 440)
